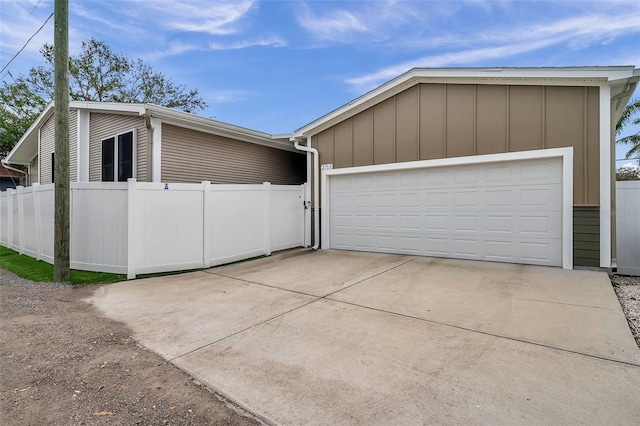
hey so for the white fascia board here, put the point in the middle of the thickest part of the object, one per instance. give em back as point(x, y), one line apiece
point(30, 137)
point(455, 161)
point(115, 107)
point(566, 154)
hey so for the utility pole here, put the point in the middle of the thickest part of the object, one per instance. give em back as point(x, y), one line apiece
point(61, 164)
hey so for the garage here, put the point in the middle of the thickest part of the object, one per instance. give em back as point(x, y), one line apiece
point(501, 211)
point(502, 164)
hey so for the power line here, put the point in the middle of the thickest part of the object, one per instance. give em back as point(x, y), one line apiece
point(34, 8)
point(25, 45)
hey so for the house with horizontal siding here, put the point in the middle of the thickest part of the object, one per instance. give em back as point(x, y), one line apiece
point(112, 142)
point(512, 165)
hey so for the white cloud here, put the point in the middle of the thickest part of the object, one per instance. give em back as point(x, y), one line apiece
point(18, 25)
point(337, 25)
point(228, 96)
point(577, 33)
point(211, 17)
point(274, 41)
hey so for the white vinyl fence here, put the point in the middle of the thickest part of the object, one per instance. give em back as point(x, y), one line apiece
point(139, 227)
point(628, 227)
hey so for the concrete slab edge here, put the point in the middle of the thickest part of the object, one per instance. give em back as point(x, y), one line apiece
point(230, 402)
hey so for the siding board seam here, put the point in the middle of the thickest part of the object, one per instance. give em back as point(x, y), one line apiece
point(475, 119)
point(585, 143)
point(544, 117)
point(508, 121)
point(444, 123)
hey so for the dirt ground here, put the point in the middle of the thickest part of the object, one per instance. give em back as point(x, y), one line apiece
point(63, 364)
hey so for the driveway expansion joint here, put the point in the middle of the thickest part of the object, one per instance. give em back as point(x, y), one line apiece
point(328, 297)
point(316, 298)
point(500, 336)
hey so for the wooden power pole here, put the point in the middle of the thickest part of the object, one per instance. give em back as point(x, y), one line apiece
point(61, 156)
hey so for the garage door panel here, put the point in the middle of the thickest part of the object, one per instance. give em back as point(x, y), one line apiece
point(507, 212)
point(466, 199)
point(540, 172)
point(436, 200)
point(467, 248)
point(500, 224)
point(466, 223)
point(501, 250)
point(499, 198)
point(436, 223)
point(539, 252)
point(538, 197)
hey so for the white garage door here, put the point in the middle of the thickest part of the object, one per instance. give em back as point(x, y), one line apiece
point(505, 212)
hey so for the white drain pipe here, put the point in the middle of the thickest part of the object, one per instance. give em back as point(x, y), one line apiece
point(316, 186)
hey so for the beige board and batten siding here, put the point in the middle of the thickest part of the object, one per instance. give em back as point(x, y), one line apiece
point(103, 126)
point(431, 121)
point(47, 147)
point(192, 156)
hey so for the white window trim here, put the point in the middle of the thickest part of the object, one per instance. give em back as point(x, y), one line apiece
point(567, 185)
point(115, 154)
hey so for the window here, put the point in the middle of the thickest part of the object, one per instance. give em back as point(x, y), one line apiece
point(119, 157)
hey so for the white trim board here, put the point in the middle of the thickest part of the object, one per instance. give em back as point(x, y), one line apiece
point(567, 186)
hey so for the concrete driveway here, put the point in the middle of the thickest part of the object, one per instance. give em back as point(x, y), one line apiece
point(336, 337)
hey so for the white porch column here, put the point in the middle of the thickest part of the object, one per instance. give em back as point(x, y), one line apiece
point(83, 145)
point(156, 150)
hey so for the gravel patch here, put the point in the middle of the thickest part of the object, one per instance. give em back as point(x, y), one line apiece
point(628, 291)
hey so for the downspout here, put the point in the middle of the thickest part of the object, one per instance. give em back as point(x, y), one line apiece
point(316, 187)
point(149, 156)
point(8, 167)
point(614, 237)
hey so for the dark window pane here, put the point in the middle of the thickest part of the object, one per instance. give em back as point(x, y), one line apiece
point(107, 159)
point(53, 167)
point(125, 157)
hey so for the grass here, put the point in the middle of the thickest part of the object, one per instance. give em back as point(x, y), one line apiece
point(39, 271)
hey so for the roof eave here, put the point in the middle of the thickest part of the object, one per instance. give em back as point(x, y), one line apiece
point(550, 76)
point(23, 152)
point(219, 128)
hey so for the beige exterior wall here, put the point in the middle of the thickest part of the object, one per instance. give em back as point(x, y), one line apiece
point(103, 126)
point(192, 156)
point(33, 166)
point(430, 121)
point(47, 146)
point(73, 145)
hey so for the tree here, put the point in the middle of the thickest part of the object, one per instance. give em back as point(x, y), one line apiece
point(629, 117)
point(19, 107)
point(628, 172)
point(96, 73)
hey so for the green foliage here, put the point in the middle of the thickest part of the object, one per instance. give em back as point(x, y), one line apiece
point(39, 271)
point(19, 107)
point(628, 172)
point(630, 116)
point(95, 74)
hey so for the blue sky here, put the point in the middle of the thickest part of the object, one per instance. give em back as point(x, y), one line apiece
point(274, 66)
